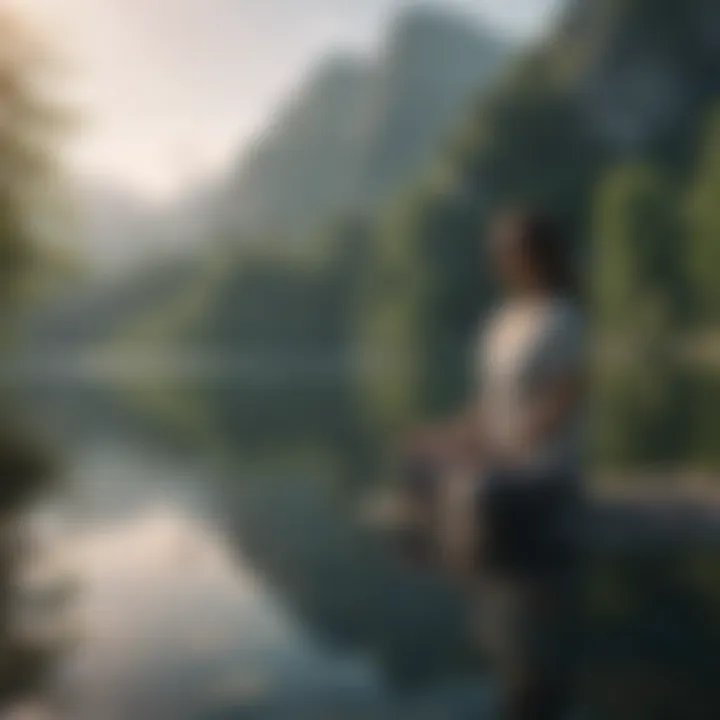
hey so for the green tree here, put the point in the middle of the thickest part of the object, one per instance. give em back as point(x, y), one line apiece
point(26, 171)
point(638, 282)
point(704, 236)
point(638, 299)
point(423, 299)
point(27, 129)
point(642, 414)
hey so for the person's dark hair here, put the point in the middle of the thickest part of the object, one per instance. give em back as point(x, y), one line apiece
point(546, 243)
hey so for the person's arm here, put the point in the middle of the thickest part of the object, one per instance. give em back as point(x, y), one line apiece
point(553, 407)
point(456, 438)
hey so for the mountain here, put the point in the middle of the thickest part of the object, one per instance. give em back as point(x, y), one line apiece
point(356, 133)
point(433, 67)
point(617, 82)
point(300, 170)
point(115, 226)
point(360, 129)
point(102, 309)
point(118, 229)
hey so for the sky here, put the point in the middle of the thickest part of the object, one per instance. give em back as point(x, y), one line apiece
point(169, 91)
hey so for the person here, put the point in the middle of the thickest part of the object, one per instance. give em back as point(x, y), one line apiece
point(508, 506)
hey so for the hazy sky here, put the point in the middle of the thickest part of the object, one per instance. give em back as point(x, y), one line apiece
point(171, 89)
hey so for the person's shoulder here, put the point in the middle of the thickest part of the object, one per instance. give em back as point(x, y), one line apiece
point(494, 317)
point(566, 318)
point(565, 310)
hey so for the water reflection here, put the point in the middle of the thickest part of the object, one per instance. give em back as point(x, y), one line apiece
point(177, 627)
point(239, 590)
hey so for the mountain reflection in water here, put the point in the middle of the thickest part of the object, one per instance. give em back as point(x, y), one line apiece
point(243, 592)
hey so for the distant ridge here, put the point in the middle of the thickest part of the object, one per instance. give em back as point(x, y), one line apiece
point(360, 129)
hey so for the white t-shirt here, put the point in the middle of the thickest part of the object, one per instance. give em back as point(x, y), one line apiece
point(525, 345)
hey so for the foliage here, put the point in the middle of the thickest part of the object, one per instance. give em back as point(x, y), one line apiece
point(27, 123)
point(704, 228)
point(638, 256)
point(27, 127)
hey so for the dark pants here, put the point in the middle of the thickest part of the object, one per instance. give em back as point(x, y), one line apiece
point(523, 557)
point(529, 591)
point(529, 631)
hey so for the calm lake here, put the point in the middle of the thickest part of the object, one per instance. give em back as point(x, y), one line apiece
point(217, 567)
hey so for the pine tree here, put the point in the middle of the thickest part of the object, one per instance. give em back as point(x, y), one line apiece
point(25, 168)
point(638, 299)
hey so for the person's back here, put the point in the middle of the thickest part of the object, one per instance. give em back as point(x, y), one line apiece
point(530, 345)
